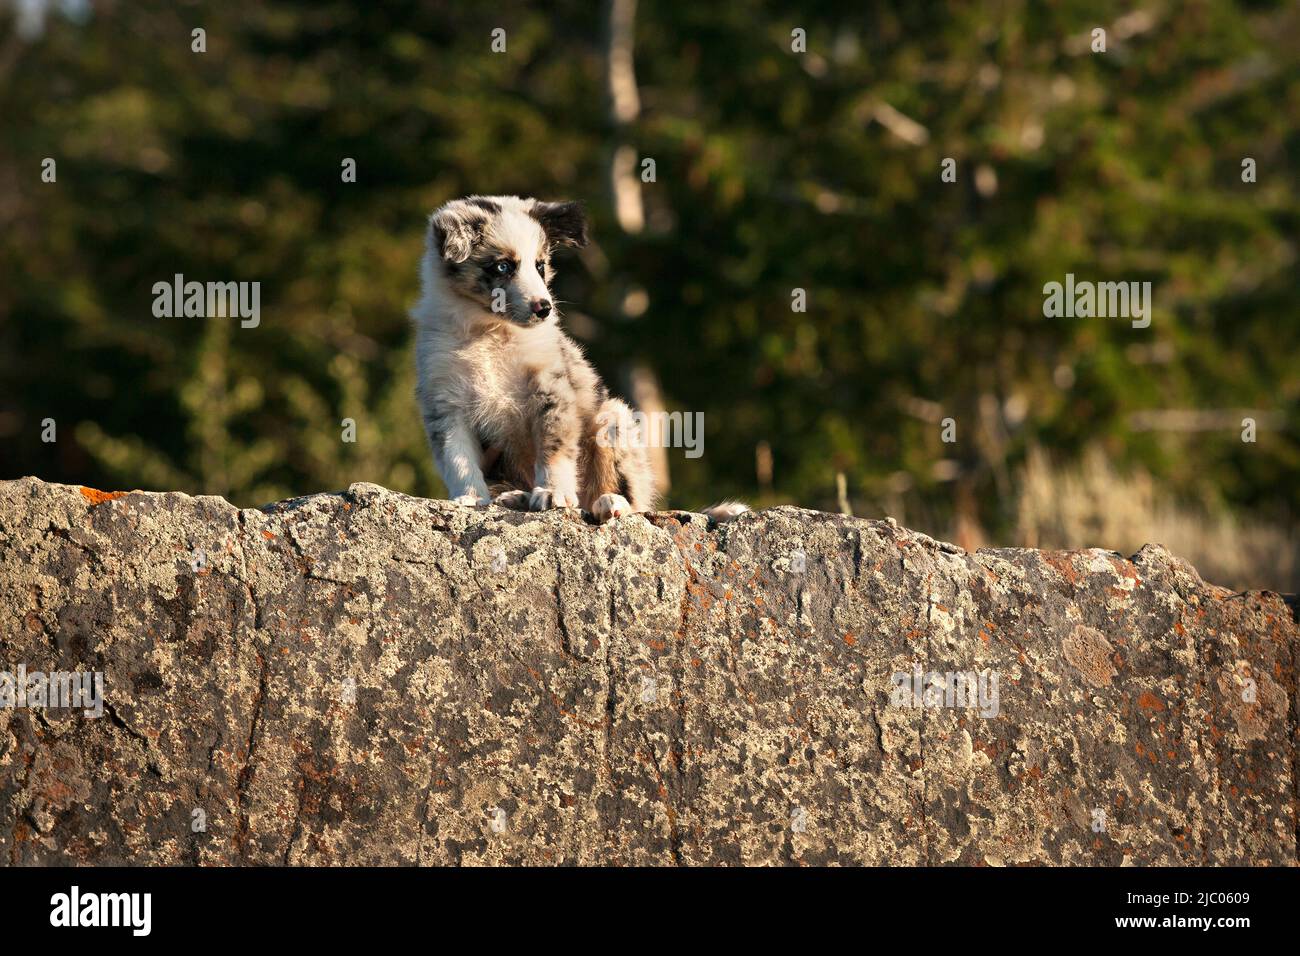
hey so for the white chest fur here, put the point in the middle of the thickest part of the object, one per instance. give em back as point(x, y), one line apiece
point(491, 378)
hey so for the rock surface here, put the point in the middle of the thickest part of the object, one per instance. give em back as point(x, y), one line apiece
point(368, 678)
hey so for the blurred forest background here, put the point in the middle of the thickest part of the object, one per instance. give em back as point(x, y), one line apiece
point(775, 170)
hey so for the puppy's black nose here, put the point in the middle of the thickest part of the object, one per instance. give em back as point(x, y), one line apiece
point(541, 308)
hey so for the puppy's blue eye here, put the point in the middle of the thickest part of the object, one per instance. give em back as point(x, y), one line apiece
point(541, 266)
point(504, 268)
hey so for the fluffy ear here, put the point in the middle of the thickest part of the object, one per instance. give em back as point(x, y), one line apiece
point(565, 223)
point(453, 230)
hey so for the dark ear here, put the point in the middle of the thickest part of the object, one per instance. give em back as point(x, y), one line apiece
point(565, 223)
point(453, 230)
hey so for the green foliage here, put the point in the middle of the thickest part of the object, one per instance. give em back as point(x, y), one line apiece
point(774, 172)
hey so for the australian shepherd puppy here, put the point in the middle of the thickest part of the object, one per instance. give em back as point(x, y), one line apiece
point(514, 413)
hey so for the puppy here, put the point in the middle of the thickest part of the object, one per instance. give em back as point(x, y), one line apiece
point(513, 411)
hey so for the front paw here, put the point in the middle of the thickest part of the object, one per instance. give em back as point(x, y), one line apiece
point(472, 500)
point(543, 499)
point(515, 500)
point(610, 506)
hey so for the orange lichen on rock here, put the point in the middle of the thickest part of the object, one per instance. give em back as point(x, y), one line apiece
point(97, 497)
point(1149, 701)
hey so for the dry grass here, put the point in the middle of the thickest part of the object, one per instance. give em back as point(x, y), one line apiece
point(1093, 505)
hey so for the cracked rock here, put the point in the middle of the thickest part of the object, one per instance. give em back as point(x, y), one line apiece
point(369, 678)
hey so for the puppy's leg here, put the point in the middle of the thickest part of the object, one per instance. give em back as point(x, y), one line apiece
point(456, 455)
point(617, 479)
point(600, 484)
point(557, 431)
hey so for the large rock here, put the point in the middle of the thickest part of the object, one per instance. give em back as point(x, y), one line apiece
point(371, 678)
